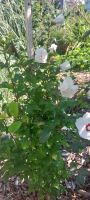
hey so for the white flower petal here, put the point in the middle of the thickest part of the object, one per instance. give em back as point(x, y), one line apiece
point(65, 65)
point(86, 118)
point(75, 88)
point(67, 88)
point(86, 115)
point(63, 86)
point(53, 48)
point(84, 134)
point(67, 93)
point(41, 55)
point(69, 81)
point(81, 124)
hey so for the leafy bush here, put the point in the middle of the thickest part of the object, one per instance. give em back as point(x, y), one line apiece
point(33, 112)
point(79, 56)
point(31, 125)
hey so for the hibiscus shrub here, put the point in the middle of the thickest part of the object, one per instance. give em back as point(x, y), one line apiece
point(37, 120)
point(31, 124)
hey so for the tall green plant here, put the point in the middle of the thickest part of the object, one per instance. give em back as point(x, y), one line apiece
point(31, 126)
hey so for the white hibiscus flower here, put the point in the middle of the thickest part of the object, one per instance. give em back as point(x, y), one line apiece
point(83, 126)
point(88, 94)
point(41, 55)
point(67, 88)
point(59, 20)
point(65, 65)
point(53, 48)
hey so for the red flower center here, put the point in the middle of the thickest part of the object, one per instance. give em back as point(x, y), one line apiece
point(88, 127)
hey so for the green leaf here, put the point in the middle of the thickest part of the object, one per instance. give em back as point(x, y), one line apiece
point(13, 109)
point(5, 85)
point(14, 127)
point(45, 135)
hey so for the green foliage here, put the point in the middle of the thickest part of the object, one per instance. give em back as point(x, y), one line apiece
point(33, 112)
point(43, 17)
point(38, 113)
point(12, 21)
point(14, 127)
point(79, 56)
point(13, 109)
point(74, 34)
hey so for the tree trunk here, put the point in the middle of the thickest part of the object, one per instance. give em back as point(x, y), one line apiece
point(28, 21)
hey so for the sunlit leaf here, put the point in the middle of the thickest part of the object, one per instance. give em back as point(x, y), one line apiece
point(13, 109)
point(14, 127)
point(3, 116)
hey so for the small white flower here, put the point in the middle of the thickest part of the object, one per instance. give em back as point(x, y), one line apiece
point(88, 94)
point(64, 128)
point(59, 20)
point(65, 65)
point(41, 55)
point(83, 126)
point(53, 48)
point(67, 88)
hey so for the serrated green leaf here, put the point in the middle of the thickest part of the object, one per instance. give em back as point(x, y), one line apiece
point(13, 109)
point(14, 127)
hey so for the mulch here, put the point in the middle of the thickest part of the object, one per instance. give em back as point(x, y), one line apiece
point(80, 77)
